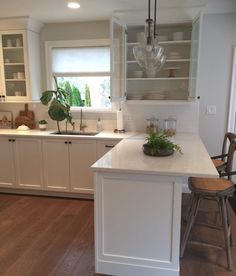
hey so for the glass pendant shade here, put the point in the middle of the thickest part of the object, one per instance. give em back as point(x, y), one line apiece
point(149, 54)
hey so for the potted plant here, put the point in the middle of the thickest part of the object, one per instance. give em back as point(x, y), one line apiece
point(58, 105)
point(43, 124)
point(159, 145)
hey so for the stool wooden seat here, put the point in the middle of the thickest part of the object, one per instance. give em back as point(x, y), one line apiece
point(219, 189)
point(211, 186)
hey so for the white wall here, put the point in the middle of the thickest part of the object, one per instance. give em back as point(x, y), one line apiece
point(71, 31)
point(215, 68)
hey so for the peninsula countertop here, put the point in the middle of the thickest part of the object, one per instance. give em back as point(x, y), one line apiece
point(128, 157)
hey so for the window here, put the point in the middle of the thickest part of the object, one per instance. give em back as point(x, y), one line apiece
point(82, 68)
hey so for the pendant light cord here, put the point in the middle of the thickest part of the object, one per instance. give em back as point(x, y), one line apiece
point(149, 17)
point(155, 18)
point(149, 9)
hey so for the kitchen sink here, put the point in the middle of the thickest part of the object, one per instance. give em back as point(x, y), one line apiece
point(75, 133)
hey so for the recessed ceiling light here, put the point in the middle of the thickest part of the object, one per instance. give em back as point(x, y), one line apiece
point(73, 5)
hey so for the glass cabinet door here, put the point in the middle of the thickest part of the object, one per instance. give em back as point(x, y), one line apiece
point(194, 58)
point(118, 59)
point(14, 65)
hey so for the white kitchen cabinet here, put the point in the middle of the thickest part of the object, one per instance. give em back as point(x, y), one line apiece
point(56, 165)
point(29, 165)
point(20, 65)
point(21, 163)
point(82, 154)
point(7, 163)
point(172, 81)
point(103, 146)
point(67, 164)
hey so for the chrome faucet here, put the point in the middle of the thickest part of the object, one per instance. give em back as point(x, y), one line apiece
point(82, 126)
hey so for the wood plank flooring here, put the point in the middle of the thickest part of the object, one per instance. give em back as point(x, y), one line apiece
point(42, 236)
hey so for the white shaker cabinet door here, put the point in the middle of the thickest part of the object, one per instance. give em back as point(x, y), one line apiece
point(29, 169)
point(82, 156)
point(7, 163)
point(56, 165)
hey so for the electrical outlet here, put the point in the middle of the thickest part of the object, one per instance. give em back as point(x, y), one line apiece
point(211, 109)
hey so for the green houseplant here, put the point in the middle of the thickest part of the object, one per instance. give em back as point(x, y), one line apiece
point(159, 145)
point(58, 105)
point(43, 124)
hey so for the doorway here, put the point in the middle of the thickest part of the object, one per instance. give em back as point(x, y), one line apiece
point(232, 119)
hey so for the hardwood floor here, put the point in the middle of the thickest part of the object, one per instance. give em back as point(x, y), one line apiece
point(43, 236)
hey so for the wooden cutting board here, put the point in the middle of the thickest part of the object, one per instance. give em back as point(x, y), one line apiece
point(25, 117)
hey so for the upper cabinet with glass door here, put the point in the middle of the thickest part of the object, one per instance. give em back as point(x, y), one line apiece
point(20, 66)
point(172, 81)
point(118, 59)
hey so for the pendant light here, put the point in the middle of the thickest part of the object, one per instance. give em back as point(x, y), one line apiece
point(149, 54)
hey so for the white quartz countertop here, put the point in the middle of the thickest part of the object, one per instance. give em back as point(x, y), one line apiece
point(128, 157)
point(48, 133)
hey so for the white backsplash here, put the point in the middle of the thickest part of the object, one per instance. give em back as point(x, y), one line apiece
point(135, 116)
point(186, 114)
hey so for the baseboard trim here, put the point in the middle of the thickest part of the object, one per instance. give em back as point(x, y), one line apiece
point(45, 193)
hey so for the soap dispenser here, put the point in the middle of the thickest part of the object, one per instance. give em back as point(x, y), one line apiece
point(99, 125)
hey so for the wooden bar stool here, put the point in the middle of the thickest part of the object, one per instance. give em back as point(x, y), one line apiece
point(221, 160)
point(219, 189)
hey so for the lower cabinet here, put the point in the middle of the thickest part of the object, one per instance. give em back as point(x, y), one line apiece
point(21, 163)
point(53, 164)
point(103, 146)
point(56, 165)
point(29, 167)
point(82, 156)
point(7, 163)
point(67, 164)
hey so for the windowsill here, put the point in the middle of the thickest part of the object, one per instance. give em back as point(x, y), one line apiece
point(92, 110)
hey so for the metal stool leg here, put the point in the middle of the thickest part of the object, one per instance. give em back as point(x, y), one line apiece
point(229, 225)
point(190, 206)
point(192, 215)
point(226, 233)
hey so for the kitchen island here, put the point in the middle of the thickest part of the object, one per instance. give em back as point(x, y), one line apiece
point(138, 206)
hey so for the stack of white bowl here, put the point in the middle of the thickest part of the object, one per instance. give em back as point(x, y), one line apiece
point(178, 36)
point(174, 55)
point(138, 74)
point(155, 95)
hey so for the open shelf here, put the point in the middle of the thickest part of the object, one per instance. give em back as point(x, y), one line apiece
point(171, 42)
point(166, 78)
point(168, 60)
point(160, 102)
point(15, 79)
point(13, 48)
point(13, 64)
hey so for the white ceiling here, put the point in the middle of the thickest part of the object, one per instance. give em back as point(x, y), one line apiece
point(57, 11)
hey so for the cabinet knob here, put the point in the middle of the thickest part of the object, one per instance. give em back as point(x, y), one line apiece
point(13, 140)
point(66, 142)
point(70, 142)
point(9, 140)
point(109, 146)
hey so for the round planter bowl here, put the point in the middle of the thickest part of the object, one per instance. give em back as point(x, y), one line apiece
point(42, 127)
point(147, 151)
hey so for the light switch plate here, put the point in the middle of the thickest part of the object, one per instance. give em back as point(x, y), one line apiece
point(211, 109)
